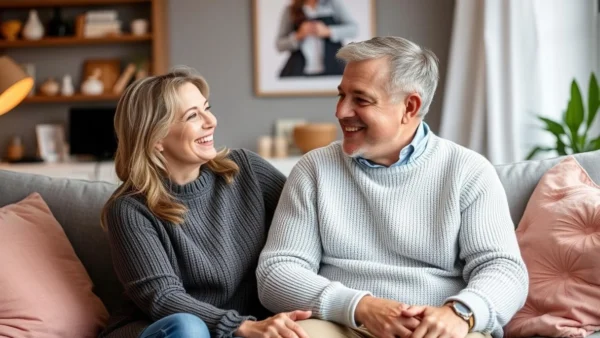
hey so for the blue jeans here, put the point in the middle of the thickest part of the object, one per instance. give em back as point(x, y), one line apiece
point(179, 325)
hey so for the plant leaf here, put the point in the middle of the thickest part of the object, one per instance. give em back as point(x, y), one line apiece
point(554, 127)
point(561, 147)
point(572, 144)
point(574, 116)
point(535, 150)
point(594, 144)
point(593, 100)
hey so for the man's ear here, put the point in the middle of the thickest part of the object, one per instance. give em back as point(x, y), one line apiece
point(413, 104)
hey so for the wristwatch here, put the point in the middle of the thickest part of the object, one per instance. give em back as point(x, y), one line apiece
point(463, 312)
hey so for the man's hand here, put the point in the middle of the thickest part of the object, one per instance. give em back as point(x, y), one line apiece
point(437, 322)
point(383, 317)
point(280, 325)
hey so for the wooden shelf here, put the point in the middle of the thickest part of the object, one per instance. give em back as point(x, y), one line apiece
point(53, 3)
point(73, 41)
point(70, 99)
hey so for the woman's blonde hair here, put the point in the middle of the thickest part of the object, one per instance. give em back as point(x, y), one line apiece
point(144, 114)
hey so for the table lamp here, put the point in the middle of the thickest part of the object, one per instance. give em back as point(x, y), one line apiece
point(15, 84)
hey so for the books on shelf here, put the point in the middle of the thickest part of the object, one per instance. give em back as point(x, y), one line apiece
point(101, 16)
point(100, 23)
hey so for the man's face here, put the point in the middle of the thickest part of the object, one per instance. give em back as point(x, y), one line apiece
point(371, 121)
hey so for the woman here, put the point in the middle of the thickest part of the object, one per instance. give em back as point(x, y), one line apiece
point(312, 31)
point(187, 224)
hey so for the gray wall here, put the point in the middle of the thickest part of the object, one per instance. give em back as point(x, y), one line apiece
point(215, 37)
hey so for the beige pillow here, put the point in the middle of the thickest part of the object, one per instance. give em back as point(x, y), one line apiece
point(44, 289)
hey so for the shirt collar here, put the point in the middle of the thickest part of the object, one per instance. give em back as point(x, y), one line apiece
point(409, 152)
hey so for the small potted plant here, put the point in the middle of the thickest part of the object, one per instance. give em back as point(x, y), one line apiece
point(572, 132)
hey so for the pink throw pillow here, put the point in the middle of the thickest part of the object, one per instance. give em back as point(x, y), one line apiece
point(559, 237)
point(45, 291)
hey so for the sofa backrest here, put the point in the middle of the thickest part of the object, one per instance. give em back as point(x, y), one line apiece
point(520, 179)
point(77, 205)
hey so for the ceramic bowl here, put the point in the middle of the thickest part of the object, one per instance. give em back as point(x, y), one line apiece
point(314, 135)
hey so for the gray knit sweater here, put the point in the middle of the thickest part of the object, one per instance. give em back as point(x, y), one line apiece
point(435, 229)
point(205, 266)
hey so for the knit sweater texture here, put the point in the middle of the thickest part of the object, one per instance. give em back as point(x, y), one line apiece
point(433, 230)
point(205, 266)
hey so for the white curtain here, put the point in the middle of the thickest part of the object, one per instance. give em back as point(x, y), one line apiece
point(511, 60)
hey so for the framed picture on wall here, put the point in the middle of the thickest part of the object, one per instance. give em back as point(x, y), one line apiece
point(50, 141)
point(295, 44)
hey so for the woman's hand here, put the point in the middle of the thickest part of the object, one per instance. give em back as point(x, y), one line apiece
point(282, 325)
point(307, 28)
point(322, 30)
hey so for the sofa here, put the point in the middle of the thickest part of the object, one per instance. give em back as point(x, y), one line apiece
point(76, 204)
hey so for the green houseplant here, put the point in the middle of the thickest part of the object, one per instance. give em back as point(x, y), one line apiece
point(572, 132)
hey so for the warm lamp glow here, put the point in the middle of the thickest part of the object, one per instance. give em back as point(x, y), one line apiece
point(15, 94)
point(14, 84)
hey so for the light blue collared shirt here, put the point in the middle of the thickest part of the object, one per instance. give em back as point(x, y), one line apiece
point(407, 154)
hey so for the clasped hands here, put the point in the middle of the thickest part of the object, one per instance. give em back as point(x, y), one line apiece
point(386, 318)
point(313, 28)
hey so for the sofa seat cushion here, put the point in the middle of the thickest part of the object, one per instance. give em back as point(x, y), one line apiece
point(559, 237)
point(45, 291)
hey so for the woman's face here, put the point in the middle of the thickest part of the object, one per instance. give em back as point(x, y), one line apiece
point(189, 143)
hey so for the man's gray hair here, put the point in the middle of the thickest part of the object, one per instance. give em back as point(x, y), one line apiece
point(412, 68)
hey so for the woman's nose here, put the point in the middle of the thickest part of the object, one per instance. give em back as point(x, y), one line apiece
point(209, 121)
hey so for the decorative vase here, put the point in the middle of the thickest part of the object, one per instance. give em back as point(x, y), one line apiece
point(92, 85)
point(15, 149)
point(33, 29)
point(50, 87)
point(57, 26)
point(67, 86)
point(11, 29)
point(29, 68)
point(265, 146)
point(139, 27)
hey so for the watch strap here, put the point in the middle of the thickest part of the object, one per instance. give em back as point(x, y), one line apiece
point(470, 319)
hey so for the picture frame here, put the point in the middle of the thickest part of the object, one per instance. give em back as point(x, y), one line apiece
point(310, 70)
point(284, 128)
point(50, 142)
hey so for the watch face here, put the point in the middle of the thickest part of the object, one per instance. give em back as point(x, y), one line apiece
point(462, 309)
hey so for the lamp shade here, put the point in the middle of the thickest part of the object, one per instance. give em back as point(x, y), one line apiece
point(15, 84)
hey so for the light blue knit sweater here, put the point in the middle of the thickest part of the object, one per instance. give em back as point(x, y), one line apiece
point(424, 233)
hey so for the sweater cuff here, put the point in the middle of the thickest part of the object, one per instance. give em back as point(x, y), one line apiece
point(293, 41)
point(334, 34)
point(479, 306)
point(230, 322)
point(339, 303)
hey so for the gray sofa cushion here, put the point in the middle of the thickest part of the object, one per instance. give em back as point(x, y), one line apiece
point(520, 179)
point(76, 205)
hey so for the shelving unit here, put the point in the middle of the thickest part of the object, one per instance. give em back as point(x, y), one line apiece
point(74, 98)
point(156, 38)
point(7, 4)
point(74, 41)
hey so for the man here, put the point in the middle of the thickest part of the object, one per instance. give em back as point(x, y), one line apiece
point(393, 232)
